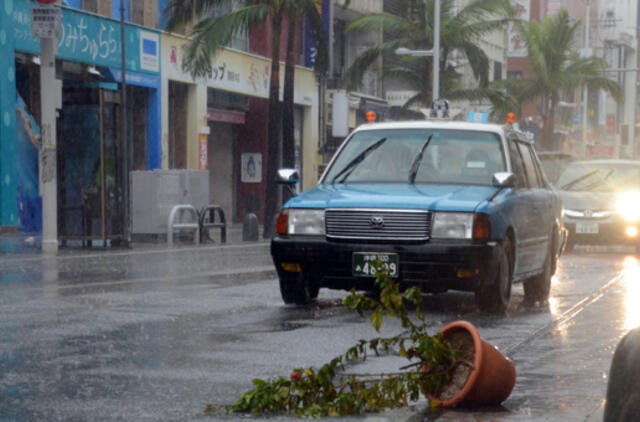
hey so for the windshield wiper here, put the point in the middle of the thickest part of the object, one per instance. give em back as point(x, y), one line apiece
point(357, 160)
point(416, 162)
point(578, 180)
point(598, 182)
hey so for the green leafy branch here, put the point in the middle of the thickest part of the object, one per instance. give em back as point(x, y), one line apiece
point(330, 391)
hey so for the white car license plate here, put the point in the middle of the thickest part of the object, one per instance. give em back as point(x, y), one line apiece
point(587, 228)
point(363, 263)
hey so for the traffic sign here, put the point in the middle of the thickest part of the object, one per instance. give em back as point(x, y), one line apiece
point(46, 22)
point(577, 118)
point(439, 108)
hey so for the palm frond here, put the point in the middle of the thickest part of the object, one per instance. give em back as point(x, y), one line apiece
point(210, 34)
point(180, 12)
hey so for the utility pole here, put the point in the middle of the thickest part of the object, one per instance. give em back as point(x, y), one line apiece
point(46, 24)
point(585, 93)
point(436, 51)
point(123, 134)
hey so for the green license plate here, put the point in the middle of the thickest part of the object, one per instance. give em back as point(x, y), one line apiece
point(363, 263)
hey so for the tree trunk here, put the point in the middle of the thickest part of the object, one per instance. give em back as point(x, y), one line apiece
point(271, 205)
point(547, 131)
point(288, 135)
point(552, 122)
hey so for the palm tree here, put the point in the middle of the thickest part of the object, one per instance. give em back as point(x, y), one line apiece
point(459, 30)
point(557, 68)
point(212, 33)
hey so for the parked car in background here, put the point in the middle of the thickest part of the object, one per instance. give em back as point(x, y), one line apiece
point(443, 205)
point(601, 201)
point(554, 162)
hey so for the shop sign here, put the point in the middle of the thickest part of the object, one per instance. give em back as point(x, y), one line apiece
point(516, 46)
point(203, 152)
point(399, 98)
point(611, 124)
point(235, 71)
point(88, 38)
point(251, 167)
point(226, 116)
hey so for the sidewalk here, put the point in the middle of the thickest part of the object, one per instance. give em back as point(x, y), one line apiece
point(18, 243)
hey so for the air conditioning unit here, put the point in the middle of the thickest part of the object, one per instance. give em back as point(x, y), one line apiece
point(154, 193)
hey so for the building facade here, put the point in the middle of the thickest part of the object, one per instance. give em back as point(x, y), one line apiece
point(217, 124)
point(88, 76)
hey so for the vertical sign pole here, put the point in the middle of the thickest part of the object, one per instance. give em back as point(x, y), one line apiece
point(48, 158)
point(436, 51)
point(585, 94)
point(123, 124)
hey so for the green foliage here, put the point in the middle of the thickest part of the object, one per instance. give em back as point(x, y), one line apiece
point(460, 30)
point(330, 391)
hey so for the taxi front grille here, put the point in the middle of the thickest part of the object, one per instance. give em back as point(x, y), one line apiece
point(401, 225)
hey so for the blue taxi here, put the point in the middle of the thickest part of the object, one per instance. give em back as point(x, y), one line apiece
point(444, 205)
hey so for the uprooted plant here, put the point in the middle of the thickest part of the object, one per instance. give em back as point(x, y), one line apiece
point(330, 391)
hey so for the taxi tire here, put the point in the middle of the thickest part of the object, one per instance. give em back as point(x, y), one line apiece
point(537, 288)
point(494, 296)
point(296, 289)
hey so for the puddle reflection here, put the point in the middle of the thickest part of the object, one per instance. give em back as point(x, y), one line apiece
point(632, 298)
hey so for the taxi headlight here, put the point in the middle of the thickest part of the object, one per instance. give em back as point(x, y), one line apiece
point(309, 222)
point(452, 225)
point(629, 206)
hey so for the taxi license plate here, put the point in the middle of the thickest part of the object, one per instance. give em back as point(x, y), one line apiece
point(363, 263)
point(587, 228)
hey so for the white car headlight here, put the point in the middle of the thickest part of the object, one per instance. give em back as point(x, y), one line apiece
point(629, 205)
point(310, 222)
point(573, 213)
point(452, 225)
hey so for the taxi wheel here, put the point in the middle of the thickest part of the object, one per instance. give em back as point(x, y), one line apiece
point(494, 295)
point(296, 289)
point(537, 288)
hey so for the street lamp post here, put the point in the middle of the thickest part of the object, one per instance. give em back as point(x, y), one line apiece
point(435, 52)
point(586, 53)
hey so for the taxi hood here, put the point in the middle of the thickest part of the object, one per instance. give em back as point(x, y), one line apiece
point(433, 197)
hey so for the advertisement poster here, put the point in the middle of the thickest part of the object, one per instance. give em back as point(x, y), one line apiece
point(251, 167)
point(203, 152)
point(517, 46)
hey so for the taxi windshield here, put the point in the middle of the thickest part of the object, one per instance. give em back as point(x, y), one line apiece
point(418, 156)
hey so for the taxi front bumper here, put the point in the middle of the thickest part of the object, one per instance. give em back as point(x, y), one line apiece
point(434, 266)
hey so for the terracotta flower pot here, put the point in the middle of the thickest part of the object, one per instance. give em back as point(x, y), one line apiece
point(493, 375)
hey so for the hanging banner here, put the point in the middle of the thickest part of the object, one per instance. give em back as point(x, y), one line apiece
point(517, 46)
point(323, 7)
point(203, 152)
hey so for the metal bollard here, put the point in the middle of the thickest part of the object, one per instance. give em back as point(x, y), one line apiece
point(250, 228)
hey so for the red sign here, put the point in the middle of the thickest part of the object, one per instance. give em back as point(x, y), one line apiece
point(611, 124)
point(46, 1)
point(227, 116)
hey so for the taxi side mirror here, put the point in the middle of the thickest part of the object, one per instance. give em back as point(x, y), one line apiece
point(288, 176)
point(504, 180)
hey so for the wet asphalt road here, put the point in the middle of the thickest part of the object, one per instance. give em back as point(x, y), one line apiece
point(156, 335)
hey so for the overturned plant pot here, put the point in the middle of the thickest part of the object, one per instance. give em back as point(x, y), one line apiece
point(483, 376)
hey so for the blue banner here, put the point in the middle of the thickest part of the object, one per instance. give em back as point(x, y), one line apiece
point(309, 45)
point(91, 39)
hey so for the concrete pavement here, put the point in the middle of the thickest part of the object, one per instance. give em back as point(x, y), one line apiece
point(561, 366)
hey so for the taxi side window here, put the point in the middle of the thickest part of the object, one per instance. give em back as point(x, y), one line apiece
point(516, 163)
point(529, 166)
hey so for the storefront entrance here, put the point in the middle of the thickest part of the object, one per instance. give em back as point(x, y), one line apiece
point(90, 155)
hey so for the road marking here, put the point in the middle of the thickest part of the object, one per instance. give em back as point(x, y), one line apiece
point(566, 316)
